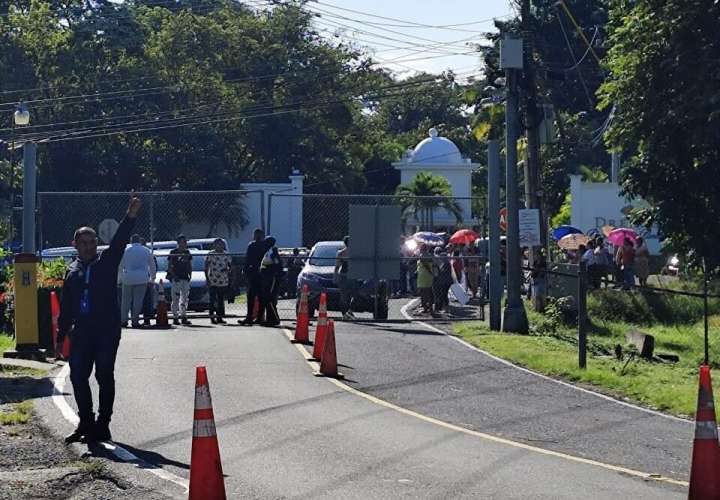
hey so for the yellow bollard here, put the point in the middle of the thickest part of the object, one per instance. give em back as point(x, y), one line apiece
point(27, 335)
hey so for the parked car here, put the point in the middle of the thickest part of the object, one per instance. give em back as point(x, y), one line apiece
point(318, 275)
point(199, 292)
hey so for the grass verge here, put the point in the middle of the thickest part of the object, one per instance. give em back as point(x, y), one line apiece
point(19, 413)
point(663, 386)
point(6, 342)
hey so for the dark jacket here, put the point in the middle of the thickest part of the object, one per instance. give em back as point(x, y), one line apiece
point(253, 257)
point(103, 315)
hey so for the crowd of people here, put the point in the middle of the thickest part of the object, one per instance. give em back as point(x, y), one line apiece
point(627, 262)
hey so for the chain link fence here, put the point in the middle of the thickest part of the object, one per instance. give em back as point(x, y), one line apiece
point(325, 219)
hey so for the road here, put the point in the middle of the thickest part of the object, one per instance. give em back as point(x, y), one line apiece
point(286, 434)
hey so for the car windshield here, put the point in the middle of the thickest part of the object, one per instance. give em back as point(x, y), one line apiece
point(324, 255)
point(198, 263)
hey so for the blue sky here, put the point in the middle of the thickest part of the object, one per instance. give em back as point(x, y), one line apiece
point(406, 47)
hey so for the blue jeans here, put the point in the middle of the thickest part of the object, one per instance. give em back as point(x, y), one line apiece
point(628, 276)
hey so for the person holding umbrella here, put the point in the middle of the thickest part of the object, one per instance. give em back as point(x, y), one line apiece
point(625, 259)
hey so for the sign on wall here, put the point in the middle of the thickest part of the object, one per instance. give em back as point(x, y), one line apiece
point(529, 222)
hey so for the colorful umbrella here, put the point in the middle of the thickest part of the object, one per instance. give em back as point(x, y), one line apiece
point(428, 238)
point(573, 241)
point(617, 236)
point(559, 232)
point(464, 237)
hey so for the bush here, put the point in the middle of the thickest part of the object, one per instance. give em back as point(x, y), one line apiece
point(647, 308)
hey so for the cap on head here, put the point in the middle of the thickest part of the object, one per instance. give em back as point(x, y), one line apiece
point(346, 240)
point(135, 238)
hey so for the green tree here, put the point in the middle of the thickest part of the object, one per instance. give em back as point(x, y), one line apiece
point(665, 86)
point(425, 194)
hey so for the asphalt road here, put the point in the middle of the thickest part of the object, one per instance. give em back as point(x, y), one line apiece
point(433, 374)
point(286, 434)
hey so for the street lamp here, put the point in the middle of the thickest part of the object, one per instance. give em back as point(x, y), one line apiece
point(21, 118)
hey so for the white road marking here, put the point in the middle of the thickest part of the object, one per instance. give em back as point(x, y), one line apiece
point(404, 312)
point(488, 437)
point(118, 451)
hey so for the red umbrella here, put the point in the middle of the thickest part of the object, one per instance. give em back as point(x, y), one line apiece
point(464, 237)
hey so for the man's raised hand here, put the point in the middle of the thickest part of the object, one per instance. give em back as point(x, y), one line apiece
point(134, 205)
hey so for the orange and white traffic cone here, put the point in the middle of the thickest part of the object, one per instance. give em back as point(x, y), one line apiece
point(161, 313)
point(328, 360)
point(256, 310)
point(55, 315)
point(206, 475)
point(321, 328)
point(705, 468)
point(302, 324)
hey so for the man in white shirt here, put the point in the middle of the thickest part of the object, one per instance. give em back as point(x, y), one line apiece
point(137, 269)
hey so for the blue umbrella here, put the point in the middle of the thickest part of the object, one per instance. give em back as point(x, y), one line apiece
point(428, 238)
point(561, 231)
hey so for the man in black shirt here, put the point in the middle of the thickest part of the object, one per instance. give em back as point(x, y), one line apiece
point(253, 257)
point(89, 313)
point(179, 274)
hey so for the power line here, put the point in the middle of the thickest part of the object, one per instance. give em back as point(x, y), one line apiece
point(177, 120)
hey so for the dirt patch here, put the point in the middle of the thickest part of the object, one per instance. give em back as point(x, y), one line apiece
point(35, 464)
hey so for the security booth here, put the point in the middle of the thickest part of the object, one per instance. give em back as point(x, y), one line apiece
point(27, 334)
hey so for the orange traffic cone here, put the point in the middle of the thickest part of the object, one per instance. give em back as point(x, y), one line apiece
point(328, 360)
point(302, 335)
point(704, 472)
point(206, 475)
point(161, 316)
point(321, 329)
point(55, 315)
point(256, 309)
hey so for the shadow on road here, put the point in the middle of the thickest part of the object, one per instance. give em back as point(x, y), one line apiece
point(148, 459)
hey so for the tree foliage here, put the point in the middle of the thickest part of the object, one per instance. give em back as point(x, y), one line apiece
point(665, 83)
point(423, 195)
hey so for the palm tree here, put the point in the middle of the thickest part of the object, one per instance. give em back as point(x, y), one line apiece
point(423, 195)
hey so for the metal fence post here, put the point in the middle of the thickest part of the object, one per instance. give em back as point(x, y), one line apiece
point(705, 311)
point(582, 315)
point(152, 220)
point(495, 287)
point(269, 212)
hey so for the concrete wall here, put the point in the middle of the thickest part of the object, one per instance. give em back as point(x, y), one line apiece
point(596, 204)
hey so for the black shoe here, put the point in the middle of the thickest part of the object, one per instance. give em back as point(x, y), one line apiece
point(221, 321)
point(146, 322)
point(186, 321)
point(124, 325)
point(101, 432)
point(245, 322)
point(80, 434)
point(136, 325)
point(176, 321)
point(213, 321)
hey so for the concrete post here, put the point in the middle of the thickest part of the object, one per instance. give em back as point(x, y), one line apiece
point(495, 284)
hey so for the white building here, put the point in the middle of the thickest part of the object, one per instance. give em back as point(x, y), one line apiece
point(440, 156)
point(275, 207)
point(598, 204)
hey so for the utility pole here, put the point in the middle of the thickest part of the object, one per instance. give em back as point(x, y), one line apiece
point(495, 284)
point(29, 193)
point(532, 124)
point(511, 60)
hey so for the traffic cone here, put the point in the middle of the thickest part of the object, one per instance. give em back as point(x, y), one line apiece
point(206, 475)
point(321, 329)
point(302, 323)
point(705, 469)
point(55, 315)
point(256, 309)
point(161, 317)
point(328, 360)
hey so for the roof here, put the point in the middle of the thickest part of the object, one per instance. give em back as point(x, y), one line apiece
point(434, 151)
